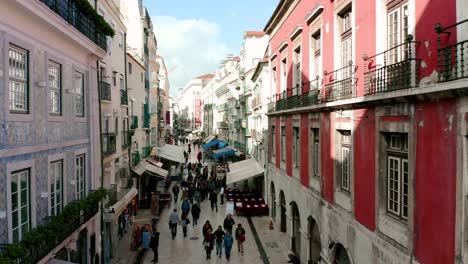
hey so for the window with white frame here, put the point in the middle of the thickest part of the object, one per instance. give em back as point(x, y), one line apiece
point(296, 147)
point(297, 70)
point(20, 204)
point(56, 187)
point(315, 152)
point(80, 174)
point(273, 79)
point(55, 88)
point(345, 160)
point(18, 62)
point(397, 32)
point(397, 175)
point(316, 47)
point(79, 94)
point(283, 143)
point(346, 49)
point(284, 74)
point(273, 141)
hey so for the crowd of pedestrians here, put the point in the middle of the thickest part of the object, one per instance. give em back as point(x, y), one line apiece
point(198, 186)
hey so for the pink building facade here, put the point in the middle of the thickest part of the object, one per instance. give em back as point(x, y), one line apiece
point(368, 129)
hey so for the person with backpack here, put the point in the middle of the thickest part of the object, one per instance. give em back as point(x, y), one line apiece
point(240, 237)
point(185, 206)
point(228, 241)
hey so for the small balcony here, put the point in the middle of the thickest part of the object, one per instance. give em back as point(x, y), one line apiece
point(452, 57)
point(135, 158)
point(134, 122)
point(105, 91)
point(394, 69)
point(108, 143)
point(125, 139)
point(340, 84)
point(73, 12)
point(146, 152)
point(293, 98)
point(123, 97)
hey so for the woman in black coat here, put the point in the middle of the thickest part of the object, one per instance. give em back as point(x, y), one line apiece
point(195, 213)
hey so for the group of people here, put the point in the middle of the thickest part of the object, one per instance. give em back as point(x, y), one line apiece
point(147, 238)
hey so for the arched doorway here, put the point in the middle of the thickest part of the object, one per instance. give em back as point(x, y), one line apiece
point(296, 229)
point(315, 244)
point(283, 212)
point(341, 255)
point(273, 200)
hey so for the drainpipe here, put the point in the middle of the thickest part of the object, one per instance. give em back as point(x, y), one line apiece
point(102, 159)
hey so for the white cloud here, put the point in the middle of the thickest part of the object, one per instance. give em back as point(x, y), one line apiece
point(193, 46)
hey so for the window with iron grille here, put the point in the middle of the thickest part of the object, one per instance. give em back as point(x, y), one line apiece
point(397, 175)
point(345, 159)
point(79, 94)
point(283, 143)
point(397, 32)
point(20, 204)
point(296, 147)
point(56, 187)
point(55, 88)
point(18, 61)
point(80, 171)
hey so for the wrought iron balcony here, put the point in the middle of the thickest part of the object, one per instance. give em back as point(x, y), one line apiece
point(135, 158)
point(105, 91)
point(452, 59)
point(133, 122)
point(340, 84)
point(125, 139)
point(85, 23)
point(108, 143)
point(394, 69)
point(293, 98)
point(123, 97)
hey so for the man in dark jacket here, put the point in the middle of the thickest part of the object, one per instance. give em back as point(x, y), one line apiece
point(214, 200)
point(228, 223)
point(219, 236)
point(175, 192)
point(154, 244)
point(195, 213)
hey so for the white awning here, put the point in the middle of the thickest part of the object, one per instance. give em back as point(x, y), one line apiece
point(208, 139)
point(172, 152)
point(156, 170)
point(122, 203)
point(140, 168)
point(243, 170)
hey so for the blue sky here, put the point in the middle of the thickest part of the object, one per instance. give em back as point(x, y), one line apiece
point(195, 35)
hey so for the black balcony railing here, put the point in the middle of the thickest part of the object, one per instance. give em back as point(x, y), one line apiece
point(293, 98)
point(452, 59)
point(133, 122)
point(340, 84)
point(71, 12)
point(105, 91)
point(125, 139)
point(108, 143)
point(393, 69)
point(111, 195)
point(123, 97)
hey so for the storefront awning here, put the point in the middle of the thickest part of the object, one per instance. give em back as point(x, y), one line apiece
point(140, 168)
point(243, 170)
point(210, 144)
point(122, 203)
point(223, 152)
point(171, 152)
point(152, 169)
point(208, 139)
point(222, 144)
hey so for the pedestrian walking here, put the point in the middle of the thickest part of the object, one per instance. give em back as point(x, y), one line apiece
point(293, 258)
point(208, 243)
point(197, 196)
point(154, 244)
point(207, 226)
point(175, 192)
point(221, 194)
point(189, 150)
point(174, 220)
point(228, 223)
point(195, 213)
point(199, 156)
point(240, 237)
point(185, 206)
point(219, 236)
point(214, 200)
point(228, 241)
point(184, 222)
point(145, 238)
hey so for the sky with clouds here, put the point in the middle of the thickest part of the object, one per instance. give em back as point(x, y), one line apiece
point(195, 35)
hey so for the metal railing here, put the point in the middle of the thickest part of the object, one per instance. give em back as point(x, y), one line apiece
point(293, 98)
point(111, 195)
point(394, 69)
point(68, 10)
point(123, 97)
point(108, 143)
point(452, 59)
point(105, 91)
point(340, 84)
point(133, 122)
